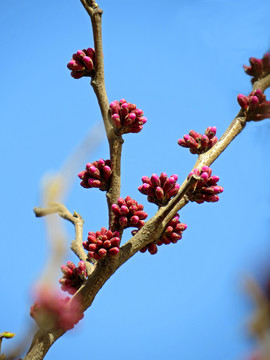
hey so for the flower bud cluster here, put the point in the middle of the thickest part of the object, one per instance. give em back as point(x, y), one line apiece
point(51, 311)
point(198, 143)
point(171, 235)
point(255, 105)
point(82, 63)
point(126, 118)
point(73, 276)
point(101, 243)
point(206, 188)
point(128, 213)
point(96, 175)
point(258, 68)
point(159, 188)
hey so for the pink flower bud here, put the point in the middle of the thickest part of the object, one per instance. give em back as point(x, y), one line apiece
point(159, 193)
point(107, 244)
point(90, 52)
point(169, 184)
point(123, 221)
point(75, 65)
point(174, 190)
point(243, 101)
point(76, 74)
point(152, 248)
point(113, 251)
point(102, 252)
point(134, 219)
point(124, 210)
point(94, 183)
point(88, 63)
point(116, 121)
point(155, 180)
point(182, 142)
point(145, 179)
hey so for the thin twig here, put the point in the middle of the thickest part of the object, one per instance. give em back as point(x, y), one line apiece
point(77, 221)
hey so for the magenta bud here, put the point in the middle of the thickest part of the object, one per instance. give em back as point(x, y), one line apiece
point(212, 198)
point(138, 112)
point(93, 171)
point(76, 66)
point(174, 190)
point(141, 214)
point(195, 135)
point(90, 52)
point(116, 120)
point(242, 101)
point(92, 247)
point(169, 184)
point(88, 63)
point(207, 169)
point(71, 265)
point(253, 102)
point(175, 237)
point(134, 219)
point(257, 66)
point(204, 140)
point(145, 179)
point(107, 172)
point(124, 110)
point(210, 132)
point(81, 266)
point(213, 141)
point(94, 183)
point(115, 107)
point(123, 221)
point(204, 176)
point(152, 248)
point(124, 210)
point(77, 74)
point(182, 142)
point(113, 251)
point(155, 180)
point(80, 54)
point(142, 120)
point(163, 177)
point(115, 241)
point(218, 189)
point(102, 252)
point(107, 244)
point(159, 193)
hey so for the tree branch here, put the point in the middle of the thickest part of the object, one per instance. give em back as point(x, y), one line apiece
point(98, 84)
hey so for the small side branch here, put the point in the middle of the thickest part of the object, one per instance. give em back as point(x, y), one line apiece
point(76, 220)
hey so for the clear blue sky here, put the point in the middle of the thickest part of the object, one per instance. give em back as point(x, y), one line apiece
point(181, 62)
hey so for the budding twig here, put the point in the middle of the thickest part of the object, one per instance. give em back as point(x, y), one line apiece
point(98, 84)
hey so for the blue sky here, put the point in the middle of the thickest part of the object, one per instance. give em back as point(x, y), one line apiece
point(182, 64)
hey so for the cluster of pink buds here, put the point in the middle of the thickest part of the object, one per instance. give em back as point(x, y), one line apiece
point(171, 235)
point(198, 143)
point(82, 63)
point(255, 105)
point(52, 311)
point(206, 188)
point(258, 68)
point(96, 175)
point(101, 243)
point(128, 213)
point(73, 276)
point(159, 188)
point(126, 117)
